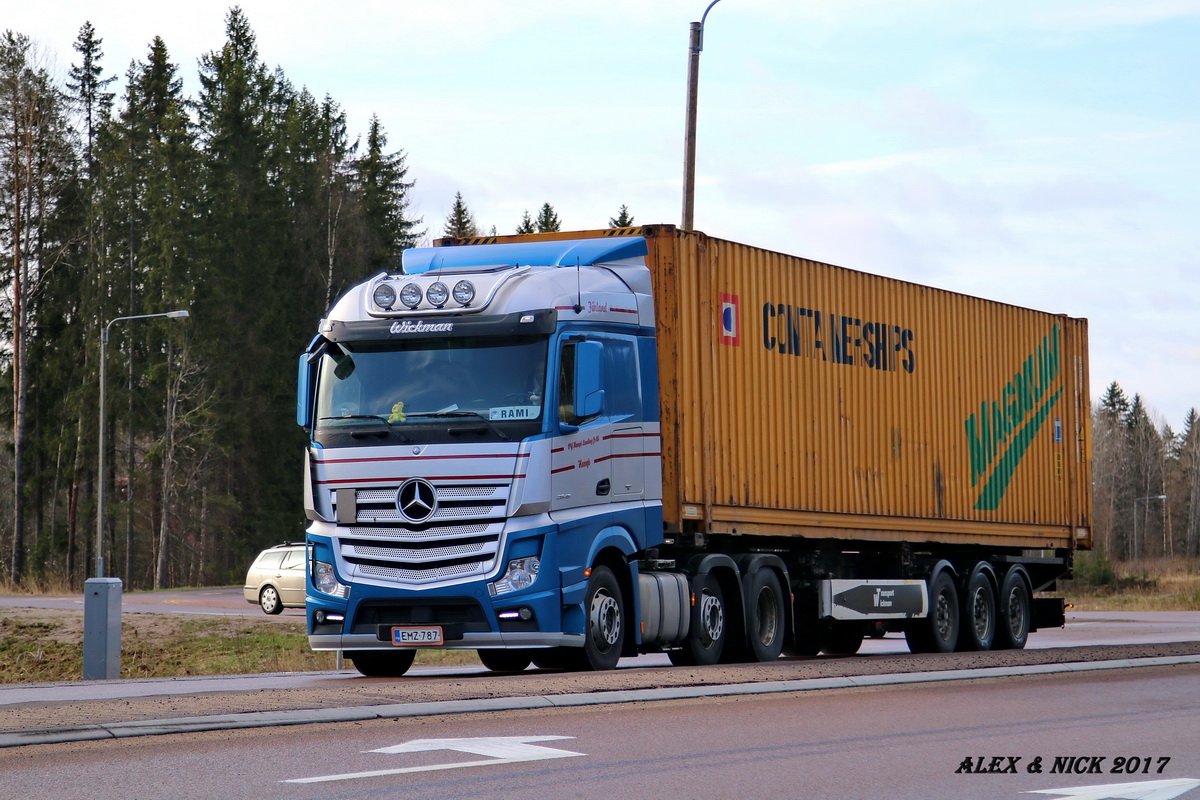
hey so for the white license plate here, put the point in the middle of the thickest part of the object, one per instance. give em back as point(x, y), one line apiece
point(411, 636)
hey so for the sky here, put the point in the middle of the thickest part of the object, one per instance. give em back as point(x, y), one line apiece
point(1043, 153)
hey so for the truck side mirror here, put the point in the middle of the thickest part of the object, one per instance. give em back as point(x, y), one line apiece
point(304, 382)
point(589, 391)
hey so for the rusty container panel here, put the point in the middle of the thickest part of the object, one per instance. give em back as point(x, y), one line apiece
point(809, 399)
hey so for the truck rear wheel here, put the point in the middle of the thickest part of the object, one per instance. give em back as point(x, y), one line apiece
point(1015, 608)
point(938, 632)
point(978, 613)
point(706, 638)
point(766, 615)
point(381, 663)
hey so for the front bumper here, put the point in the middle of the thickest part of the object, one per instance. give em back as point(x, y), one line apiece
point(469, 641)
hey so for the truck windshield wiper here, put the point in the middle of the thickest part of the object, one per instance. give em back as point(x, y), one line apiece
point(475, 414)
point(372, 418)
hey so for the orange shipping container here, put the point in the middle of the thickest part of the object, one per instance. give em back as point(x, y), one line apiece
point(801, 398)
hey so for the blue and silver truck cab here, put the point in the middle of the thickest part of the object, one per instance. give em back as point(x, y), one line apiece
point(483, 467)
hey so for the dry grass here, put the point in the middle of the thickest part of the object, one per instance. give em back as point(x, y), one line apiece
point(1146, 585)
point(39, 645)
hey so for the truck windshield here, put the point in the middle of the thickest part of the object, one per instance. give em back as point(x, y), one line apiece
point(421, 381)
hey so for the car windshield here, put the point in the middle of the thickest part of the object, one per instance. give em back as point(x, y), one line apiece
point(402, 383)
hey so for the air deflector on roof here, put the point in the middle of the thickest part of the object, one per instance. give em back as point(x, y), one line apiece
point(564, 253)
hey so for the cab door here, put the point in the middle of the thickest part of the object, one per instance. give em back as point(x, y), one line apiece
point(580, 457)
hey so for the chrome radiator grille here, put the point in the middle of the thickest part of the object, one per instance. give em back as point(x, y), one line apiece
point(460, 540)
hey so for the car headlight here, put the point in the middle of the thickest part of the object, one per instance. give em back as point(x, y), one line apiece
point(326, 582)
point(521, 574)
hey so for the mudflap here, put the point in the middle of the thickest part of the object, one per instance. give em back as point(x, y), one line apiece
point(1048, 612)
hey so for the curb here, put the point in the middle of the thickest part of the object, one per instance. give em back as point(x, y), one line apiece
point(262, 719)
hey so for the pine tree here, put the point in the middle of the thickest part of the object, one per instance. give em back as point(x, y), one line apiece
point(526, 225)
point(623, 219)
point(547, 220)
point(37, 166)
point(1189, 484)
point(459, 222)
point(1147, 452)
point(385, 201)
point(1110, 468)
point(88, 89)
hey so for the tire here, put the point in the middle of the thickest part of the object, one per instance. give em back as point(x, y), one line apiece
point(844, 638)
point(706, 636)
point(382, 663)
point(1013, 620)
point(505, 660)
point(978, 613)
point(558, 658)
point(938, 632)
point(808, 641)
point(604, 638)
point(766, 616)
point(268, 598)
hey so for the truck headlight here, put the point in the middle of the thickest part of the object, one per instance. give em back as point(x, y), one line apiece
point(437, 294)
point(521, 574)
point(326, 582)
point(411, 295)
point(464, 293)
point(384, 296)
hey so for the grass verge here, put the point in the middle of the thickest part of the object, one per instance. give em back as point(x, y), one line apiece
point(41, 645)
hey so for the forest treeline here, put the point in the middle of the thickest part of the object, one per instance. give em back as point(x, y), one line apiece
point(251, 206)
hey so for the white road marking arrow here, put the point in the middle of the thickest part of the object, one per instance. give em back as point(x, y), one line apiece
point(499, 749)
point(1143, 790)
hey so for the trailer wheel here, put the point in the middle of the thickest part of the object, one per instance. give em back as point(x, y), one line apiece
point(505, 660)
point(382, 663)
point(706, 638)
point(938, 632)
point(978, 614)
point(1015, 606)
point(605, 636)
point(766, 615)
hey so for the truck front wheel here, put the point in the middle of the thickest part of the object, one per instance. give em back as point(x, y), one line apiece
point(505, 660)
point(605, 609)
point(382, 663)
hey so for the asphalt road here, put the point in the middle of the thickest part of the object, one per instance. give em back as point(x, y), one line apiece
point(899, 742)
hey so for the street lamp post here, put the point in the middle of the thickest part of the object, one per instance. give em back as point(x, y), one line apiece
point(102, 596)
point(695, 45)
point(1136, 500)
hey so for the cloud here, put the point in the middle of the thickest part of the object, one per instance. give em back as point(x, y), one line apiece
point(923, 119)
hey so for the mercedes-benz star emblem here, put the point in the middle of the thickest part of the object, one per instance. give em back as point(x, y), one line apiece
point(416, 500)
